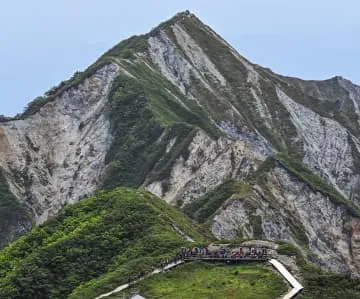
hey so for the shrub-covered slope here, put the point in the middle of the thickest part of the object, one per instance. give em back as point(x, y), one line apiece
point(205, 280)
point(93, 246)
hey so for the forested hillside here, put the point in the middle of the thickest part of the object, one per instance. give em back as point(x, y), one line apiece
point(93, 245)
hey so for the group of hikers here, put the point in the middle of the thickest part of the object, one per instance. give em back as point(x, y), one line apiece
point(225, 252)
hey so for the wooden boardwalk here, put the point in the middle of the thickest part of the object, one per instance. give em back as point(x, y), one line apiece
point(127, 285)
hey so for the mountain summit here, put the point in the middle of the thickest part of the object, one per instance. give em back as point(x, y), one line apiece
point(178, 112)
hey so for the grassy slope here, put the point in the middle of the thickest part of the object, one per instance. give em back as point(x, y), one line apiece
point(145, 116)
point(97, 243)
point(202, 280)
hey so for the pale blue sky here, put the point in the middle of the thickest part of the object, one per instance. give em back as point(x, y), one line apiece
point(43, 42)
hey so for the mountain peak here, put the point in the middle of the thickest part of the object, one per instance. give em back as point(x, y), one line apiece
point(343, 79)
point(180, 16)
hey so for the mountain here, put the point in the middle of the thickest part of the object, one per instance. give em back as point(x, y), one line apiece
point(178, 112)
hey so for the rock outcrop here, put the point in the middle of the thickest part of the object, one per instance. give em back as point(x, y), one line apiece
point(57, 155)
point(286, 208)
point(209, 164)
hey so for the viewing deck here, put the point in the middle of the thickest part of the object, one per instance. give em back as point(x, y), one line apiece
point(227, 259)
point(217, 253)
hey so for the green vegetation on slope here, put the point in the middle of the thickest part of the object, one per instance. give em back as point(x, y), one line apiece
point(167, 102)
point(11, 214)
point(136, 131)
point(129, 47)
point(202, 208)
point(145, 114)
point(92, 246)
point(330, 286)
point(202, 280)
point(144, 119)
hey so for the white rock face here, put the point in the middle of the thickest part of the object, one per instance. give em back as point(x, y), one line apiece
point(236, 220)
point(324, 222)
point(233, 221)
point(57, 155)
point(182, 70)
point(258, 142)
point(209, 164)
point(174, 67)
point(261, 106)
point(298, 209)
point(197, 56)
point(183, 62)
point(326, 145)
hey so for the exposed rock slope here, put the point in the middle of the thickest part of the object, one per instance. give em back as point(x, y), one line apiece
point(57, 155)
point(286, 208)
point(179, 112)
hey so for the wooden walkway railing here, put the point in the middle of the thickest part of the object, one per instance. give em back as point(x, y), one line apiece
point(225, 259)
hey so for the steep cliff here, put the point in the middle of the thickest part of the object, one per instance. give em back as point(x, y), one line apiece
point(56, 155)
point(180, 113)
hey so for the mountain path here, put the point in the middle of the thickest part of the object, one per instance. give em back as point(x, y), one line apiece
point(127, 285)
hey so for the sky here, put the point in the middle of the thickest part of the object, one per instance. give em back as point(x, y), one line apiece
point(43, 42)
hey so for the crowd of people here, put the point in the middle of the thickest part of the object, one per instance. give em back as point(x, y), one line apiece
point(226, 252)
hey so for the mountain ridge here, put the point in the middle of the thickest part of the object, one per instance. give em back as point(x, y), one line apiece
point(179, 112)
point(165, 25)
